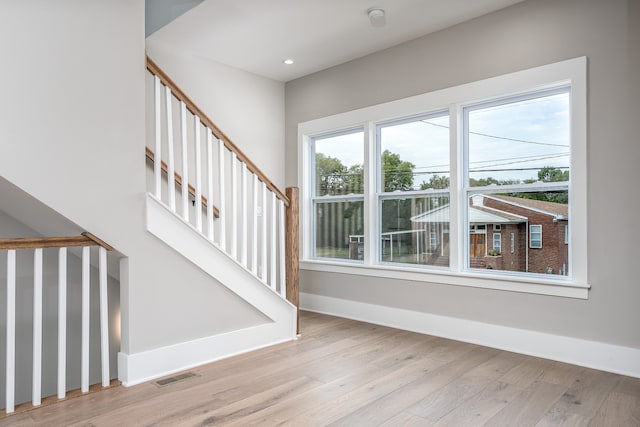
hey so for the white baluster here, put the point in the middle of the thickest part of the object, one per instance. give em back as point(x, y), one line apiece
point(272, 237)
point(104, 316)
point(86, 279)
point(221, 208)
point(171, 185)
point(263, 235)
point(281, 254)
point(11, 333)
point(36, 388)
point(198, 202)
point(185, 161)
point(157, 170)
point(234, 206)
point(243, 211)
point(209, 184)
point(62, 323)
point(254, 241)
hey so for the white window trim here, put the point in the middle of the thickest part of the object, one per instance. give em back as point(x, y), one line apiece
point(572, 71)
point(512, 242)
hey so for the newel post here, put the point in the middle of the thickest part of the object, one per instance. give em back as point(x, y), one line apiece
point(293, 250)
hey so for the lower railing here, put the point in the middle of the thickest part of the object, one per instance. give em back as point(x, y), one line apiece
point(16, 249)
point(195, 165)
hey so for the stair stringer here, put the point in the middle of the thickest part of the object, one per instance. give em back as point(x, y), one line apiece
point(188, 242)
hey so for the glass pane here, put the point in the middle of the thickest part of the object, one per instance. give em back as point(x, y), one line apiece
point(532, 227)
point(415, 230)
point(520, 142)
point(415, 154)
point(339, 229)
point(338, 164)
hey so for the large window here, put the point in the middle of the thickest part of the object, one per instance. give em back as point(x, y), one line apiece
point(338, 200)
point(426, 188)
point(413, 190)
point(517, 172)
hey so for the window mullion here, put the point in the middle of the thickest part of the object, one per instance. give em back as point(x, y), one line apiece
point(456, 187)
point(371, 212)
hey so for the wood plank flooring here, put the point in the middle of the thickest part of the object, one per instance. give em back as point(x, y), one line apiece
point(347, 373)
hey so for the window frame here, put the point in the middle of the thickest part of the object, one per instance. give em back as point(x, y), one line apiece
point(570, 72)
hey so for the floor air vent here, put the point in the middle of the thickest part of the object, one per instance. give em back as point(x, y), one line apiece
point(174, 379)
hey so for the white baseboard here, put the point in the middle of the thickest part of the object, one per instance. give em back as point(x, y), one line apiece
point(148, 365)
point(591, 354)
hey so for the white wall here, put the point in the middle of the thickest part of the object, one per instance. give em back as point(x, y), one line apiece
point(72, 134)
point(526, 35)
point(248, 108)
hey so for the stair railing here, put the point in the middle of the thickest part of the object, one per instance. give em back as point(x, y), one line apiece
point(253, 221)
point(13, 246)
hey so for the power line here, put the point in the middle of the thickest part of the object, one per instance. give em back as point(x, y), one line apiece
point(532, 158)
point(500, 137)
point(520, 161)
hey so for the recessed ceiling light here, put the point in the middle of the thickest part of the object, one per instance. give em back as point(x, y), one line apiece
point(288, 61)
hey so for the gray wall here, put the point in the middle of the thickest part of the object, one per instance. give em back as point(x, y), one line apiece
point(528, 34)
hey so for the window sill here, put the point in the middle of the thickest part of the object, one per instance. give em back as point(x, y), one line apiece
point(532, 285)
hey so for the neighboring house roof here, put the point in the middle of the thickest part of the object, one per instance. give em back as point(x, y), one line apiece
point(480, 214)
point(477, 215)
point(558, 210)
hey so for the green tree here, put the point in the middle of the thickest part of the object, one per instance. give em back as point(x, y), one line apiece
point(329, 175)
point(354, 180)
point(481, 182)
point(436, 182)
point(552, 174)
point(548, 174)
point(397, 173)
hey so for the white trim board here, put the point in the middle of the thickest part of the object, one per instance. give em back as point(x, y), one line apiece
point(590, 354)
point(152, 364)
point(188, 242)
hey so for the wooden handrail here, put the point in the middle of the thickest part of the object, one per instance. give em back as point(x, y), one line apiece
point(178, 178)
point(191, 106)
point(86, 239)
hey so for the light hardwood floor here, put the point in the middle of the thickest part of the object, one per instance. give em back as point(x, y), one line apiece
point(347, 373)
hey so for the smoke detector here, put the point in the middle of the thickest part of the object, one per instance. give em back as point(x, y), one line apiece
point(376, 16)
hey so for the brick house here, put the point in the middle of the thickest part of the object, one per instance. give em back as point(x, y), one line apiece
point(505, 233)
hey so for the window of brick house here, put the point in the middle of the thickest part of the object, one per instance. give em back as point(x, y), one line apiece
point(535, 236)
point(497, 242)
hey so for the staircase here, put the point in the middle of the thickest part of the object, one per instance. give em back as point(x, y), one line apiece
point(208, 202)
point(437, 259)
point(477, 262)
point(204, 188)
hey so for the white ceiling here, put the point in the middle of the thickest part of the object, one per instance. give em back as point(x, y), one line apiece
point(257, 35)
